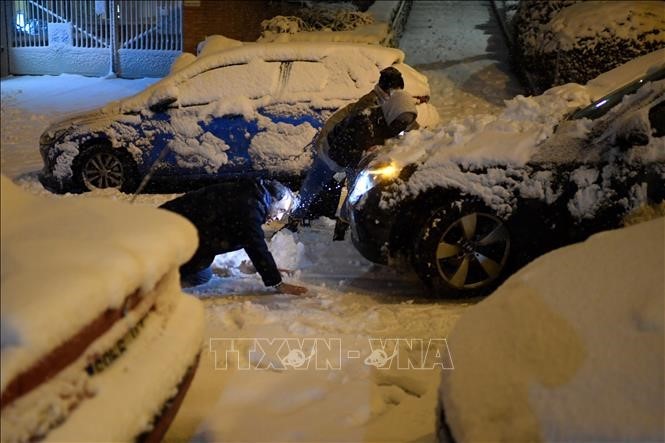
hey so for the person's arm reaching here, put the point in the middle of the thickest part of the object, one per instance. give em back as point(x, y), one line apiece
point(257, 250)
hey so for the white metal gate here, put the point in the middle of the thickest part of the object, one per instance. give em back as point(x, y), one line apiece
point(131, 38)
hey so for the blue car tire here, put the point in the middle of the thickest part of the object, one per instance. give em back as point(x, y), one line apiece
point(100, 167)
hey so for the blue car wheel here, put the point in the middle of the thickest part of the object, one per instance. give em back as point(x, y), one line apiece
point(101, 167)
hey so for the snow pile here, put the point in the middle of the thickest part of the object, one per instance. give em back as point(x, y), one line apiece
point(580, 358)
point(288, 252)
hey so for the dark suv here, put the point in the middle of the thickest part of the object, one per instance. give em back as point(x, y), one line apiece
point(466, 214)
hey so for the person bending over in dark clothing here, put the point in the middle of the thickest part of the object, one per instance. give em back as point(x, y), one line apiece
point(228, 217)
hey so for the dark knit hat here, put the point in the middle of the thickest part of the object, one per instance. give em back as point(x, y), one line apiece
point(391, 78)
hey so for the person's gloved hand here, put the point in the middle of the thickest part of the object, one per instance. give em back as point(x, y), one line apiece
point(286, 288)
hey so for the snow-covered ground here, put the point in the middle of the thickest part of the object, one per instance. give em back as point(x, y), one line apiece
point(459, 47)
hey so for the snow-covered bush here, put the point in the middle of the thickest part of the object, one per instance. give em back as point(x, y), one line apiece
point(317, 17)
point(563, 41)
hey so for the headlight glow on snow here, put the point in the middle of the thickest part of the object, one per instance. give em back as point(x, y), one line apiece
point(368, 178)
point(385, 172)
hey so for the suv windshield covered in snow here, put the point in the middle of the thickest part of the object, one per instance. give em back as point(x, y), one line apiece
point(602, 106)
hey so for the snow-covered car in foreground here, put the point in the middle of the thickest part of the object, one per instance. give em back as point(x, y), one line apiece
point(98, 341)
point(252, 109)
point(570, 348)
point(470, 203)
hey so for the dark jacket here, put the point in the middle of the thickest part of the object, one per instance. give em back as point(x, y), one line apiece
point(228, 217)
point(363, 126)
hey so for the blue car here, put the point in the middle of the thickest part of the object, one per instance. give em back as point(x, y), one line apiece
point(251, 110)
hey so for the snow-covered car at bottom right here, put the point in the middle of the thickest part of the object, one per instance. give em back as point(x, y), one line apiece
point(570, 348)
point(468, 204)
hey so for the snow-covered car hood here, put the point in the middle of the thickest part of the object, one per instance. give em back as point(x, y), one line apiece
point(93, 120)
point(486, 140)
point(88, 120)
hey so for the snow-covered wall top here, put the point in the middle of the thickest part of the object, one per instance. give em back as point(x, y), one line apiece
point(564, 41)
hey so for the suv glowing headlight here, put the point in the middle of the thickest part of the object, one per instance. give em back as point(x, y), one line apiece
point(368, 178)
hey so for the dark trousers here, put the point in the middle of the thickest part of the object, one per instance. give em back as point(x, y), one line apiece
point(197, 270)
point(320, 192)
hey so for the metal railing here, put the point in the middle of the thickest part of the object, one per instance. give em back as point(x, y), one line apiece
point(150, 25)
point(155, 25)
